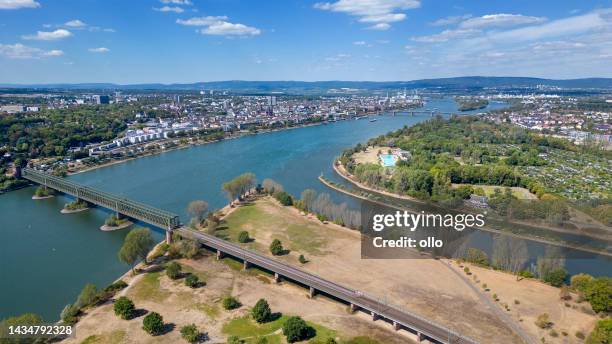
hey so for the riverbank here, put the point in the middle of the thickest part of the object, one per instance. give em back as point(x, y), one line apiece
point(486, 229)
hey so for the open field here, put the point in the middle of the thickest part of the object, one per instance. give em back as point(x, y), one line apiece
point(370, 155)
point(181, 305)
point(425, 286)
point(518, 192)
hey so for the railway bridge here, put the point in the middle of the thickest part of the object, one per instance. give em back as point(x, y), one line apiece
point(378, 309)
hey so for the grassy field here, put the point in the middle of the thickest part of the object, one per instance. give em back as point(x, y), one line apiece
point(149, 289)
point(300, 234)
point(117, 336)
point(520, 193)
point(247, 329)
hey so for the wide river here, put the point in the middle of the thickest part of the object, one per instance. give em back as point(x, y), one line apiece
point(46, 257)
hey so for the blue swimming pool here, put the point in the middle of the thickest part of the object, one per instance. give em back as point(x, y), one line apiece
point(388, 160)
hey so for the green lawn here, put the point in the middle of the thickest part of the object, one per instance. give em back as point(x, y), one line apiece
point(246, 328)
point(148, 288)
point(117, 336)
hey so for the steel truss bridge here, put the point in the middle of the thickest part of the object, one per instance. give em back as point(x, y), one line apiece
point(399, 317)
point(122, 206)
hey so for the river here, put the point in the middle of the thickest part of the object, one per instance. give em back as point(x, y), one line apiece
point(47, 257)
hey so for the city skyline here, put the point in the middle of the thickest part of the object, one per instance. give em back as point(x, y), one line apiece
point(175, 41)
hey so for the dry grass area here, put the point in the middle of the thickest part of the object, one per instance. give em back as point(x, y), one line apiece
point(518, 192)
point(535, 298)
point(424, 286)
point(180, 305)
point(370, 155)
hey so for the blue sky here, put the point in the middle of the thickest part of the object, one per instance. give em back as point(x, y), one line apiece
point(168, 41)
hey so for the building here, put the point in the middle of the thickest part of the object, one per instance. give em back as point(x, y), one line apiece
point(12, 108)
point(98, 99)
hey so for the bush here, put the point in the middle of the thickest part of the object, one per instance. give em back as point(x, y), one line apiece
point(261, 312)
point(526, 274)
point(243, 237)
point(261, 340)
point(173, 270)
point(192, 281)
point(284, 198)
point(231, 302)
point(555, 277)
point(296, 329)
point(234, 340)
point(543, 321)
point(124, 307)
point(276, 247)
point(564, 293)
point(302, 259)
point(69, 314)
point(598, 292)
point(87, 296)
point(116, 286)
point(579, 335)
point(153, 324)
point(190, 333)
point(602, 333)
point(581, 281)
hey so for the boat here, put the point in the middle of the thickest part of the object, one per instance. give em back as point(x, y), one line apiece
point(373, 120)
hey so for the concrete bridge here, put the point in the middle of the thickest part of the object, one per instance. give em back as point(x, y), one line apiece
point(431, 113)
point(398, 317)
point(122, 206)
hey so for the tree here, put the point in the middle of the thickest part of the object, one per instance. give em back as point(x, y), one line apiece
point(271, 187)
point(153, 324)
point(598, 294)
point(243, 237)
point(296, 329)
point(261, 312)
point(235, 188)
point(192, 281)
point(302, 259)
point(602, 333)
point(27, 319)
point(308, 197)
point(87, 296)
point(477, 256)
point(136, 245)
point(276, 247)
point(231, 302)
point(69, 314)
point(509, 253)
point(543, 321)
point(124, 308)
point(173, 270)
point(190, 333)
point(581, 281)
point(564, 293)
point(197, 209)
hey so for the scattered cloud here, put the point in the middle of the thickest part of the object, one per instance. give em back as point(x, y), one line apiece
point(75, 24)
point(201, 21)
point(49, 35)
point(337, 57)
point(378, 12)
point(359, 43)
point(500, 20)
point(174, 9)
point(20, 51)
point(17, 4)
point(100, 50)
point(177, 2)
point(451, 20)
point(219, 26)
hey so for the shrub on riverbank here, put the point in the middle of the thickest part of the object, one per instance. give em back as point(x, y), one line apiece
point(284, 198)
point(230, 303)
point(173, 270)
point(124, 307)
point(276, 247)
point(153, 324)
point(190, 333)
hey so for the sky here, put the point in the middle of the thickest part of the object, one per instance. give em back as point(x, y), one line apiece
point(181, 41)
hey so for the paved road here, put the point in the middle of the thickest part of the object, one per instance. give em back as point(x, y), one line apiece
point(368, 303)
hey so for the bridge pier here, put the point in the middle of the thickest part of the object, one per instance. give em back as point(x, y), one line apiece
point(277, 277)
point(396, 326)
point(168, 236)
point(353, 308)
point(245, 265)
point(219, 254)
point(311, 292)
point(374, 316)
point(420, 337)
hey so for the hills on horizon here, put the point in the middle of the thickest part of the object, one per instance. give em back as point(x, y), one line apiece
point(285, 86)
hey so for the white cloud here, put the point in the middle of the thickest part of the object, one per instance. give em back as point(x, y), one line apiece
point(201, 21)
point(174, 9)
point(337, 57)
point(380, 27)
point(380, 12)
point(359, 43)
point(177, 2)
point(446, 35)
point(223, 28)
point(100, 50)
point(218, 25)
point(20, 51)
point(17, 4)
point(53, 53)
point(49, 35)
point(500, 20)
point(450, 20)
point(75, 23)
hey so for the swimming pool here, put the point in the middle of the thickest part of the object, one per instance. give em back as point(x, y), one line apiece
point(388, 160)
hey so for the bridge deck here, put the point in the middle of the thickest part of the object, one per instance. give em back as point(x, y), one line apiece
point(136, 210)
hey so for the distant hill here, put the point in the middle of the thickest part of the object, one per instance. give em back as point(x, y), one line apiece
point(308, 86)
